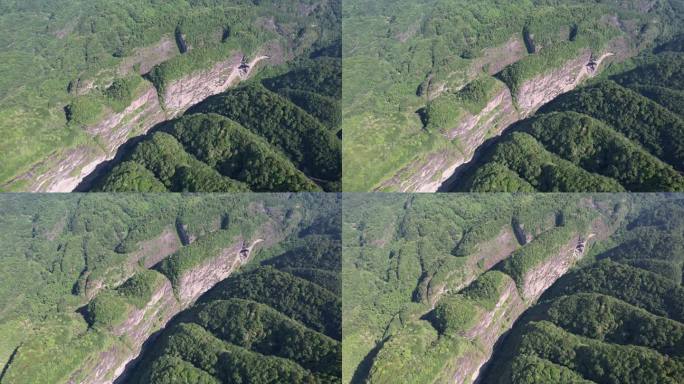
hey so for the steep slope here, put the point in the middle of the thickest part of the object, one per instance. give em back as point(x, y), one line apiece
point(447, 75)
point(103, 82)
point(450, 276)
point(613, 128)
point(262, 326)
point(618, 319)
point(263, 140)
point(73, 325)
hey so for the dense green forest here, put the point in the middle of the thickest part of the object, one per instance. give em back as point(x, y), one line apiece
point(269, 324)
point(417, 72)
point(280, 134)
point(625, 130)
point(591, 286)
point(420, 273)
point(617, 319)
point(68, 65)
point(86, 277)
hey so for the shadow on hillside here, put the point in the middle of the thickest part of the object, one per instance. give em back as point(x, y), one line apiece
point(363, 369)
point(102, 169)
point(463, 172)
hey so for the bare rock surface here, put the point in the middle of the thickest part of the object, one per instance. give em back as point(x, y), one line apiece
point(428, 174)
point(431, 171)
point(190, 90)
point(546, 87)
point(64, 170)
point(485, 333)
point(164, 304)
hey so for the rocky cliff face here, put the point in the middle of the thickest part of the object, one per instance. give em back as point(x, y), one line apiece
point(489, 253)
point(64, 171)
point(61, 171)
point(429, 174)
point(545, 87)
point(491, 325)
point(498, 113)
point(200, 279)
point(149, 253)
point(190, 90)
point(115, 129)
point(544, 275)
point(514, 300)
point(139, 325)
point(142, 323)
point(495, 59)
point(432, 171)
point(197, 281)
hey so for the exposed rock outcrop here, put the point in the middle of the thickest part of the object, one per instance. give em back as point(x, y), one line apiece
point(149, 253)
point(115, 129)
point(491, 252)
point(493, 60)
point(540, 278)
point(543, 88)
point(139, 325)
point(145, 58)
point(60, 172)
point(63, 171)
point(509, 306)
point(432, 171)
point(428, 174)
point(488, 254)
point(491, 325)
point(498, 114)
point(200, 279)
point(164, 304)
point(191, 89)
point(197, 281)
point(514, 300)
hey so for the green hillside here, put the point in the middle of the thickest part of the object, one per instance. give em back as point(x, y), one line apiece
point(415, 71)
point(513, 288)
point(86, 277)
point(69, 65)
point(275, 137)
point(266, 325)
point(626, 129)
point(617, 319)
point(422, 274)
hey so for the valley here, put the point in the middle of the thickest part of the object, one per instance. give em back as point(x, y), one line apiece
point(67, 125)
point(491, 288)
point(89, 311)
point(451, 77)
point(611, 135)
